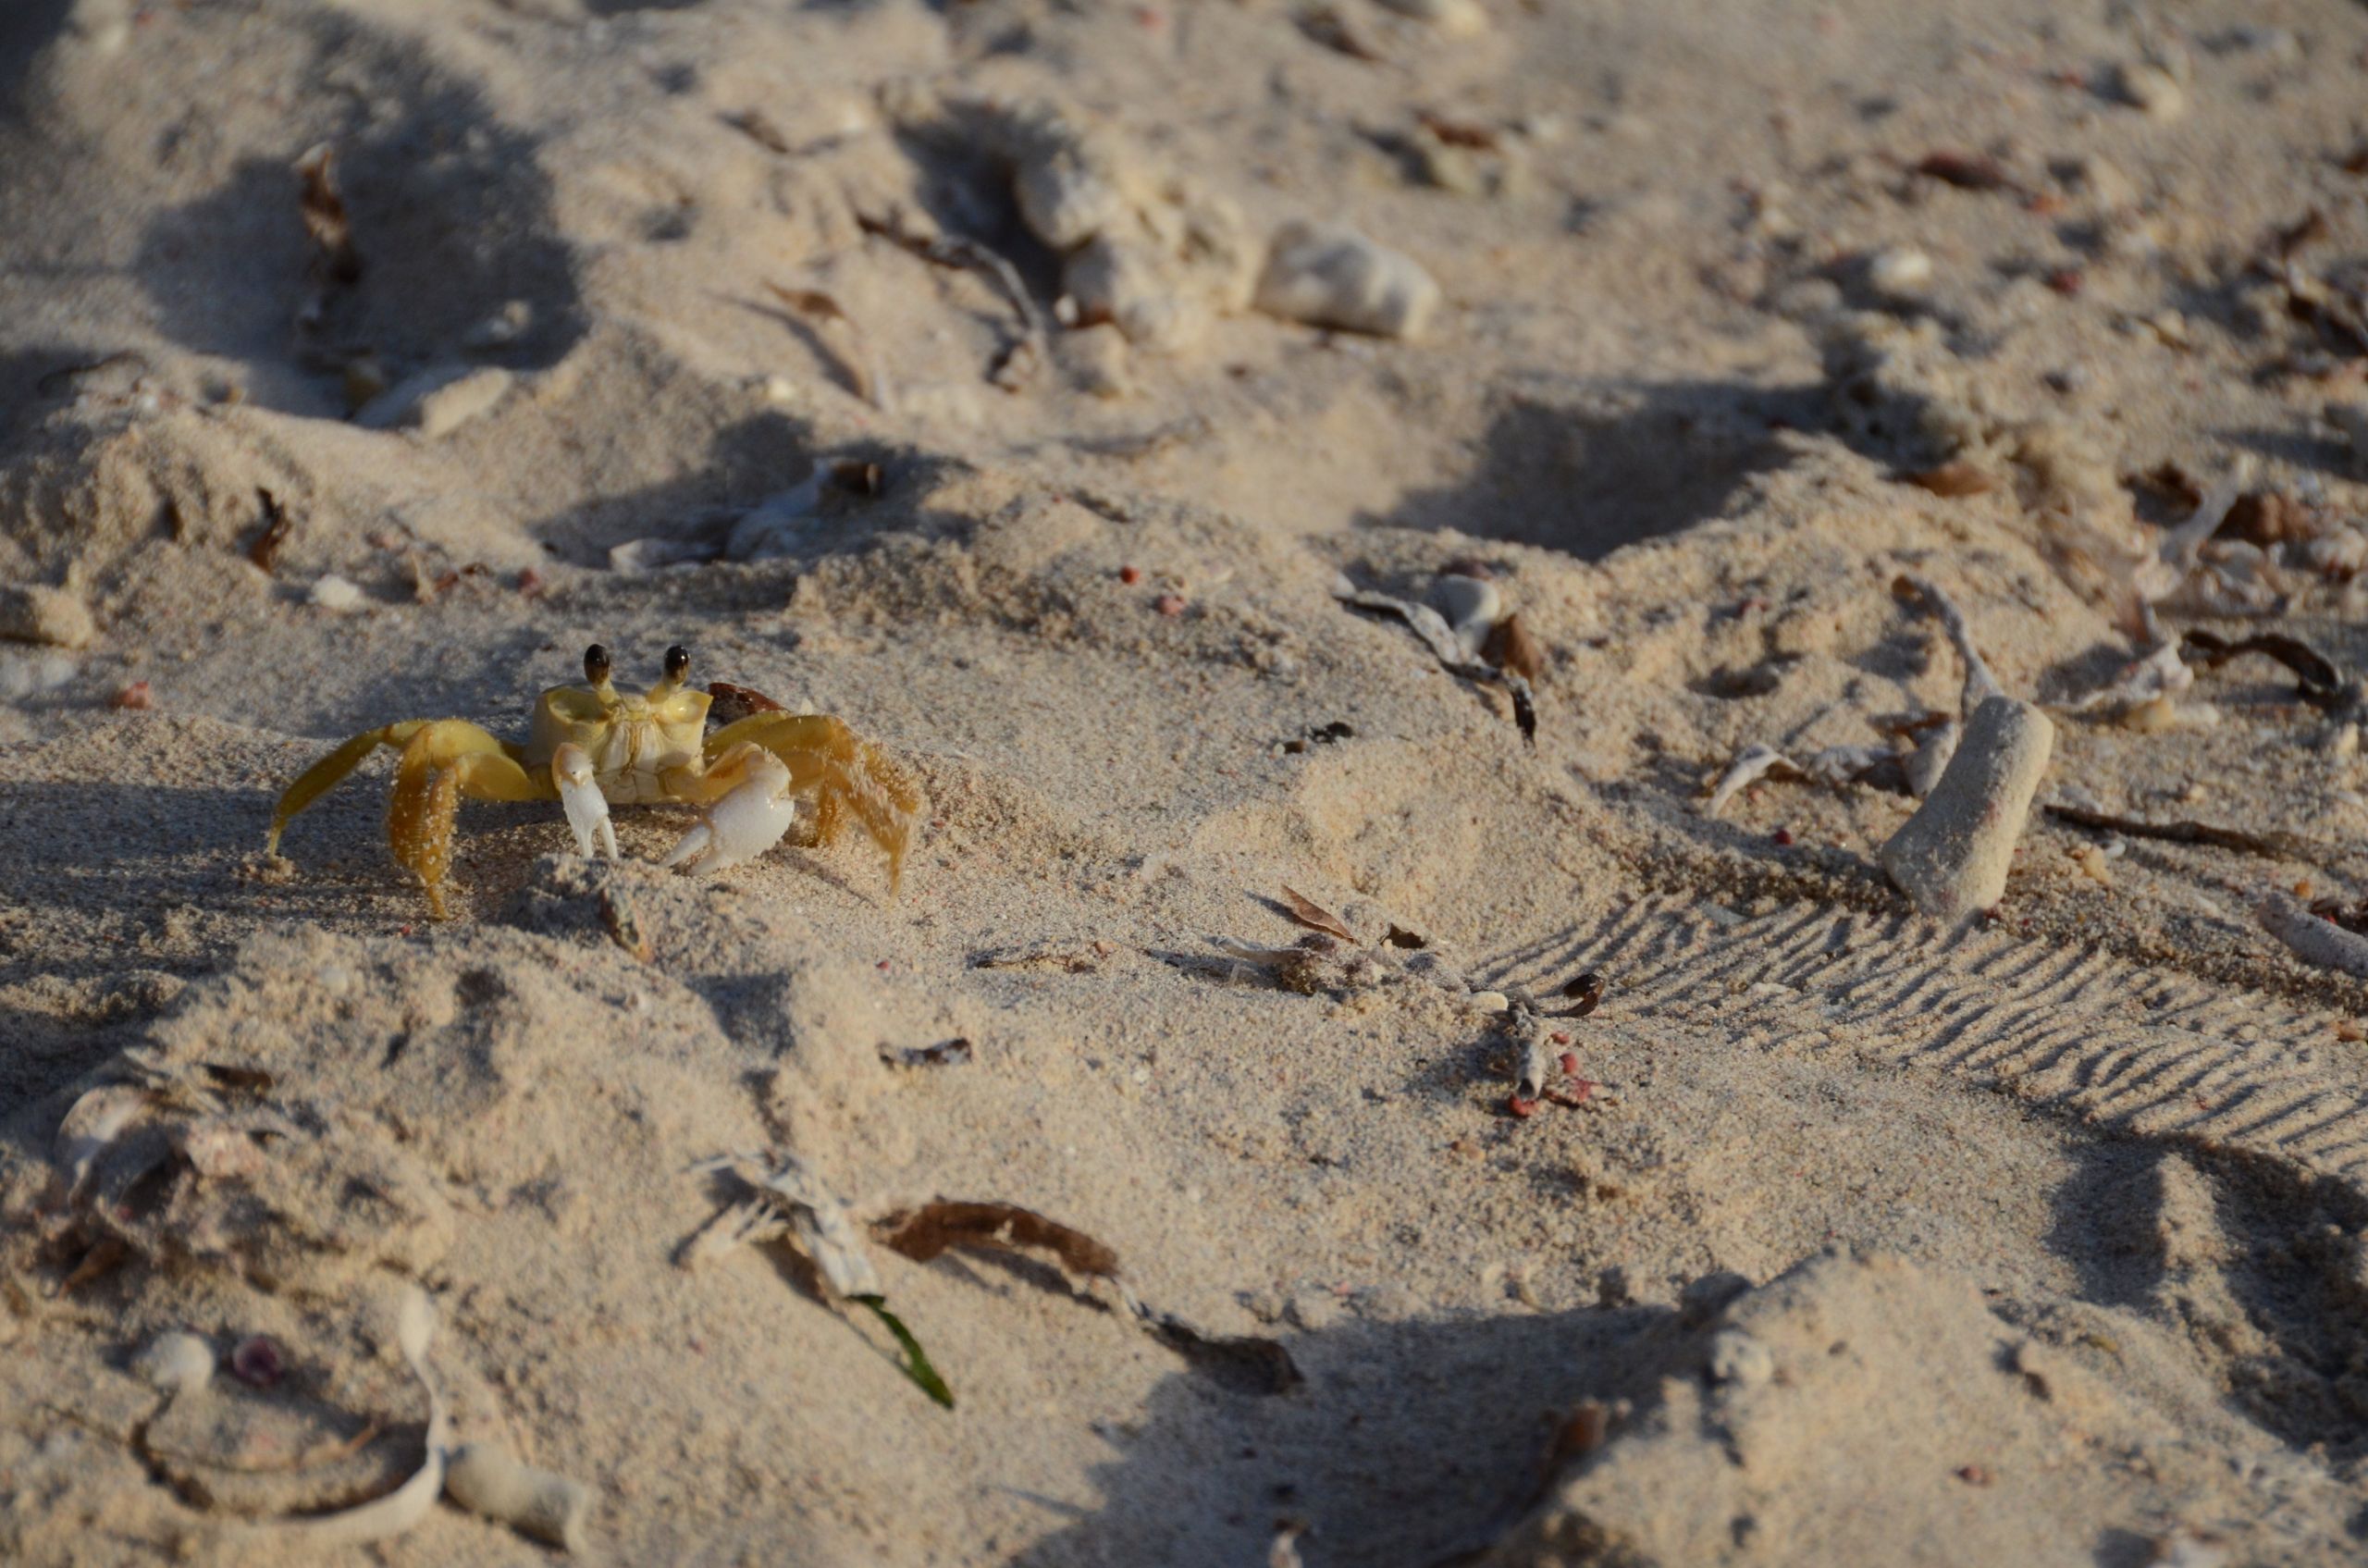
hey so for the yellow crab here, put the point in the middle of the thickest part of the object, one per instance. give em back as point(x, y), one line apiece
point(592, 745)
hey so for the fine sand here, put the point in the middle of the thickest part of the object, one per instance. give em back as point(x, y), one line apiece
point(1832, 1235)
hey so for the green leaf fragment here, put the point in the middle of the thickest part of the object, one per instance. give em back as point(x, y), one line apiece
point(917, 1366)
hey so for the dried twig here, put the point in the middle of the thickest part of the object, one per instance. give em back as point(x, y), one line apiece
point(1019, 361)
point(2275, 845)
point(2322, 682)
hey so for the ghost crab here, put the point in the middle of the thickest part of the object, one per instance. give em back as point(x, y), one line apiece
point(592, 745)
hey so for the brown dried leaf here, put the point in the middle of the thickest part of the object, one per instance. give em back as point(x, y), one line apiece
point(927, 1233)
point(1315, 916)
point(325, 218)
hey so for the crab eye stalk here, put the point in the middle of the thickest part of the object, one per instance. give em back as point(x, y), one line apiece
point(678, 662)
point(596, 665)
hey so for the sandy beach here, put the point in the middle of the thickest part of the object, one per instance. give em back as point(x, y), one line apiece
point(1634, 743)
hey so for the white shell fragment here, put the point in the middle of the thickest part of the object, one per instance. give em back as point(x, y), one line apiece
point(790, 1199)
point(177, 1364)
point(407, 1504)
point(490, 1480)
point(1329, 276)
point(338, 595)
point(2312, 940)
point(1900, 269)
point(1471, 607)
point(1951, 857)
point(580, 797)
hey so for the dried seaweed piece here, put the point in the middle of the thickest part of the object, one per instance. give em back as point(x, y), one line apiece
point(1980, 685)
point(1314, 916)
point(926, 1233)
point(1252, 1365)
point(2321, 683)
point(1432, 628)
point(956, 1052)
point(1461, 133)
point(1020, 359)
point(2275, 845)
point(277, 525)
point(324, 216)
point(855, 354)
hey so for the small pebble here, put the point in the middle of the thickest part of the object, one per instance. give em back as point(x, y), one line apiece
point(1170, 604)
point(337, 593)
point(1328, 276)
point(1739, 1359)
point(177, 1363)
point(1130, 576)
point(138, 697)
point(1900, 269)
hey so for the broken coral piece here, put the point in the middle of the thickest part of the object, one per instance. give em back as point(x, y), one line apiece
point(1951, 857)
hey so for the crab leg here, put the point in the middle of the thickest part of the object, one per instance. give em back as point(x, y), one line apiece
point(753, 807)
point(441, 762)
point(579, 793)
point(842, 772)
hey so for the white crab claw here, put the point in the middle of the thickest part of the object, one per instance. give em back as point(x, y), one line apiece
point(579, 792)
point(742, 825)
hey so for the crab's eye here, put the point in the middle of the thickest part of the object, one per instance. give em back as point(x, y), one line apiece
point(678, 662)
point(596, 664)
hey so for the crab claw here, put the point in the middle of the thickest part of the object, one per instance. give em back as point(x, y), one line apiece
point(579, 792)
point(748, 821)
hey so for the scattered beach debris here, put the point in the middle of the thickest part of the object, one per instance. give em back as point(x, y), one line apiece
point(437, 402)
point(2277, 846)
point(1314, 915)
point(1834, 765)
point(36, 615)
point(1019, 360)
point(258, 1362)
point(1951, 857)
point(856, 358)
point(926, 1233)
point(1326, 274)
point(338, 595)
point(2314, 938)
point(787, 1199)
point(405, 1506)
point(1151, 250)
point(1440, 639)
point(487, 1479)
point(957, 1052)
point(2143, 695)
